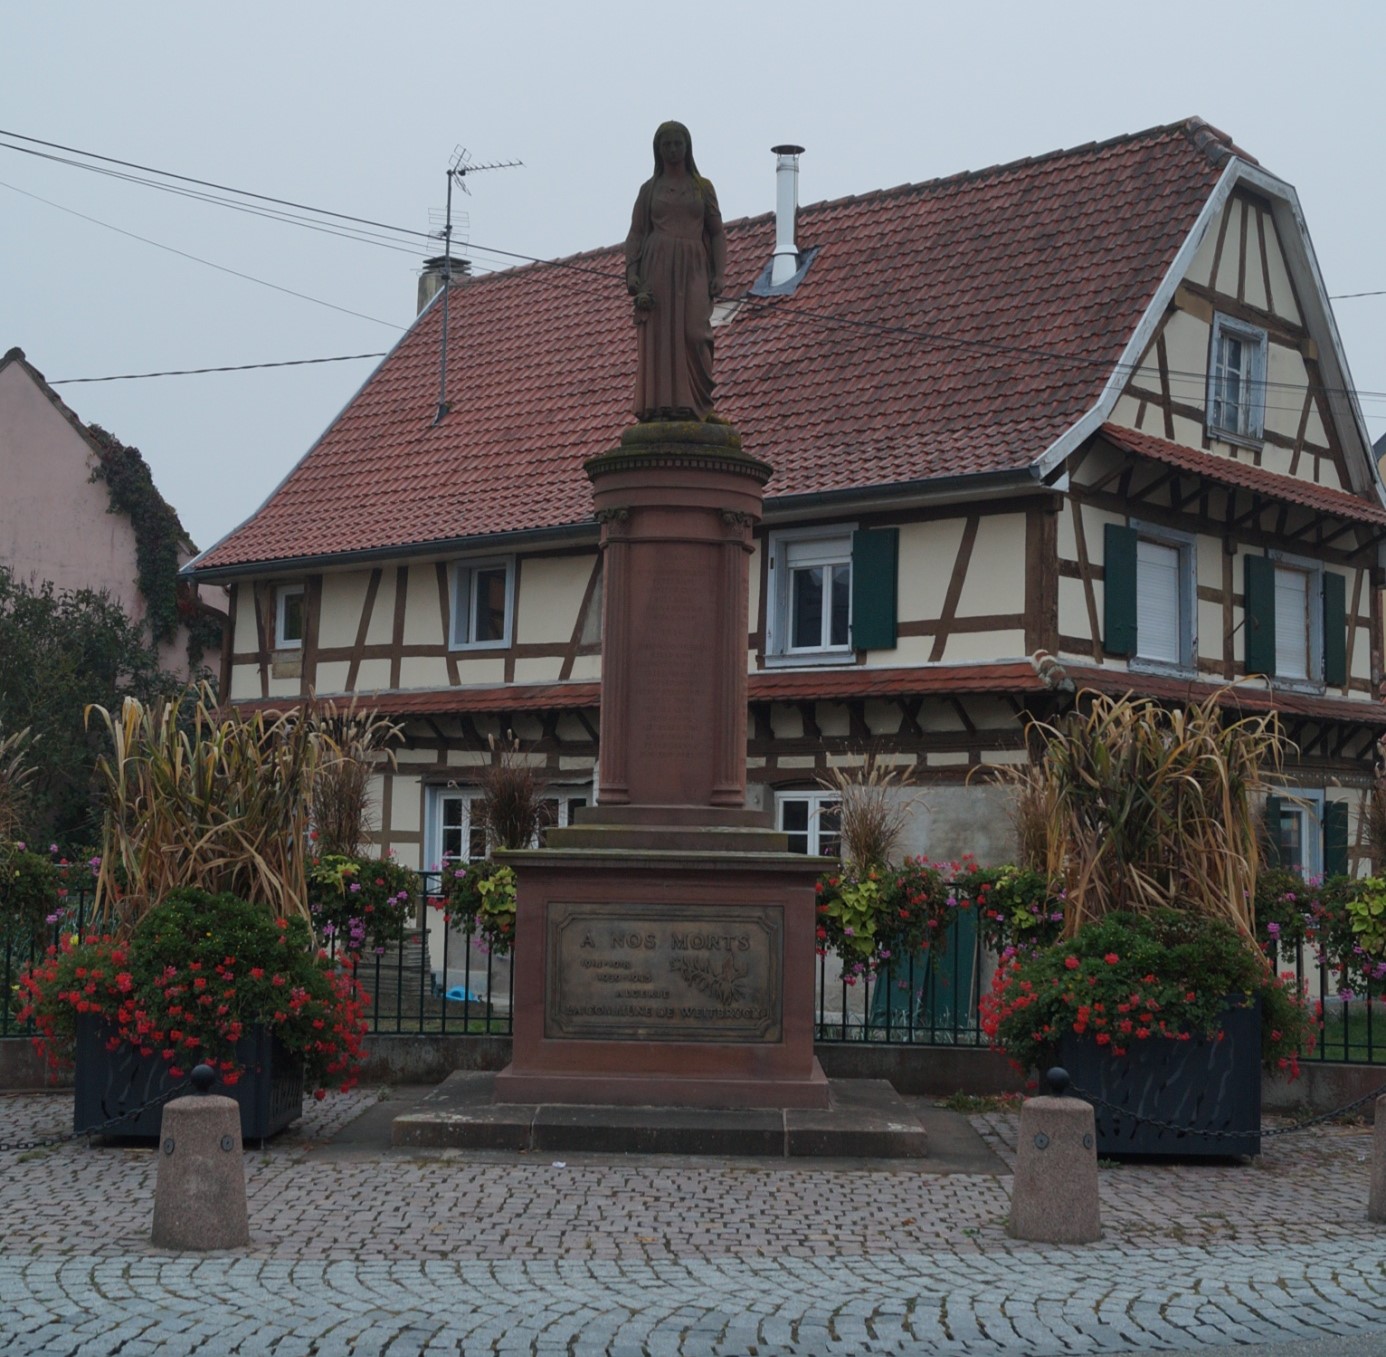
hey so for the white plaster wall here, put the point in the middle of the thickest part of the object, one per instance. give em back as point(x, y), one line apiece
point(380, 632)
point(1200, 271)
point(373, 676)
point(995, 581)
point(1255, 287)
point(587, 668)
point(421, 672)
point(1126, 412)
point(423, 624)
point(538, 668)
point(1226, 281)
point(1282, 290)
point(332, 676)
point(1186, 350)
point(927, 553)
point(550, 594)
point(340, 614)
point(948, 821)
point(966, 646)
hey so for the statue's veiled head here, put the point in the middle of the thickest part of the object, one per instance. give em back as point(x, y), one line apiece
point(668, 129)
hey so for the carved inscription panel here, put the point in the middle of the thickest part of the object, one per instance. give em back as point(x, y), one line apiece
point(664, 973)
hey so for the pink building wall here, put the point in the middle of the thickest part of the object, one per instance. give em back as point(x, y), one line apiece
point(54, 523)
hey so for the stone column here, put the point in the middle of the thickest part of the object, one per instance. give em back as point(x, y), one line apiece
point(678, 503)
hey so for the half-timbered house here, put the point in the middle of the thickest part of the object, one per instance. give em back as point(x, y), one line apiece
point(1083, 420)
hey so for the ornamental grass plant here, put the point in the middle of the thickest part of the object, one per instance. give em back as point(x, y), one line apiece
point(196, 796)
point(1153, 807)
point(1152, 846)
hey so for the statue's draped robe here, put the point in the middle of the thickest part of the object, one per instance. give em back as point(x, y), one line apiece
point(675, 237)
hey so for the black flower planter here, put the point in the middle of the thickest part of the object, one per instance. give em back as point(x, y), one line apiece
point(109, 1083)
point(1209, 1090)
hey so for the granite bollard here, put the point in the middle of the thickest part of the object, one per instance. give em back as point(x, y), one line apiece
point(199, 1193)
point(1376, 1202)
point(1054, 1191)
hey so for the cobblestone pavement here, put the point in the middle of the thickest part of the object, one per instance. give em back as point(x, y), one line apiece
point(367, 1252)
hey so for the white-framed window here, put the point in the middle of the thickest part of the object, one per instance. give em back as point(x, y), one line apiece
point(1237, 380)
point(809, 616)
point(1298, 618)
point(482, 598)
point(1166, 598)
point(289, 617)
point(812, 821)
point(558, 809)
point(1299, 832)
point(452, 834)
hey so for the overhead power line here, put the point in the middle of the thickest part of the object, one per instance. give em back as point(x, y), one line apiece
point(761, 304)
point(206, 183)
point(232, 367)
point(221, 268)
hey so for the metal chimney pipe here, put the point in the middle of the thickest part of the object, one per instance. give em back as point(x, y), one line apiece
point(786, 261)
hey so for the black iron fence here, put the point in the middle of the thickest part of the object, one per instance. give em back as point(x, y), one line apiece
point(440, 981)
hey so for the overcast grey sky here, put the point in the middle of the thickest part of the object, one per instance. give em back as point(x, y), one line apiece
point(358, 107)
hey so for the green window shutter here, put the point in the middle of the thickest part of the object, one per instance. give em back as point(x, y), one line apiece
point(1335, 838)
point(875, 571)
point(1334, 629)
point(1272, 841)
point(1260, 615)
point(1119, 590)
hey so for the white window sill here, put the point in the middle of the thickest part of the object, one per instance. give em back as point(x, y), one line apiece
point(468, 647)
point(1164, 668)
point(811, 659)
point(1253, 441)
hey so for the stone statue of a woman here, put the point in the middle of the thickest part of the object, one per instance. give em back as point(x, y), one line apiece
point(675, 255)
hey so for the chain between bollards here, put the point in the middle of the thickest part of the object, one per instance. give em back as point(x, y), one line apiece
point(19, 1147)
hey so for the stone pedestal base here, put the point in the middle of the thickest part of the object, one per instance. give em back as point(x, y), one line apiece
point(664, 978)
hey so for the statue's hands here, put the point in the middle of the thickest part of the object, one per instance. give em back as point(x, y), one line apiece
point(644, 304)
point(714, 287)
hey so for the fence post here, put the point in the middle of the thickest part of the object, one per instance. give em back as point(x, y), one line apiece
point(1054, 1191)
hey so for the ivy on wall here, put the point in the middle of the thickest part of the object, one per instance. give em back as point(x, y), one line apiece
point(159, 536)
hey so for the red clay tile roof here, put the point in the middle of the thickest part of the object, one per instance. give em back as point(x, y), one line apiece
point(1322, 499)
point(431, 702)
point(1242, 696)
point(918, 346)
point(801, 685)
point(767, 686)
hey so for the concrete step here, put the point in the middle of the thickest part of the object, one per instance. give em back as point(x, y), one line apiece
point(865, 1118)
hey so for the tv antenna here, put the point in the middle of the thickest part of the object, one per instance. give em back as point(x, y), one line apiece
point(459, 168)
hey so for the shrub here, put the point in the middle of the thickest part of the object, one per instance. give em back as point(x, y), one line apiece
point(195, 973)
point(1128, 979)
point(29, 886)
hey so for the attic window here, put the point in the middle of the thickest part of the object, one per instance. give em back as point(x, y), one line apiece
point(1237, 381)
